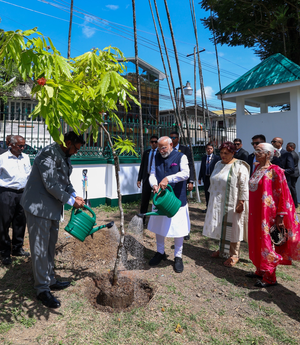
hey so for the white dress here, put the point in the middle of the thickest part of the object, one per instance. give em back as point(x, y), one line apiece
point(228, 185)
point(179, 225)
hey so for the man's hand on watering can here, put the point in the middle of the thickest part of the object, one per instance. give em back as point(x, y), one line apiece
point(155, 189)
point(190, 186)
point(79, 202)
point(163, 183)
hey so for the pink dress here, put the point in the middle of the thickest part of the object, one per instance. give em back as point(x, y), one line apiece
point(269, 195)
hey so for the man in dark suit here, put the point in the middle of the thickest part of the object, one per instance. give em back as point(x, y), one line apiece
point(144, 172)
point(47, 190)
point(240, 153)
point(285, 161)
point(207, 166)
point(256, 140)
point(185, 150)
point(290, 147)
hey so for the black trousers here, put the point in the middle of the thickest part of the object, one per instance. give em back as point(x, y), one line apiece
point(293, 190)
point(206, 186)
point(11, 212)
point(146, 195)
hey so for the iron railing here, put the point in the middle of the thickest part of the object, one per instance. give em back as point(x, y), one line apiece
point(37, 136)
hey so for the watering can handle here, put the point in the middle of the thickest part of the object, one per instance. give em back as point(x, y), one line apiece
point(168, 187)
point(91, 211)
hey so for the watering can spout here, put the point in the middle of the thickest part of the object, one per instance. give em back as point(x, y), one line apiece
point(108, 226)
point(142, 215)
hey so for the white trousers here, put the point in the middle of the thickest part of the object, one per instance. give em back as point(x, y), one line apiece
point(178, 245)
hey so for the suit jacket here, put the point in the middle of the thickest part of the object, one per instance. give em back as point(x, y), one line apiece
point(202, 172)
point(2, 150)
point(286, 162)
point(296, 161)
point(48, 187)
point(242, 155)
point(186, 150)
point(143, 172)
point(250, 162)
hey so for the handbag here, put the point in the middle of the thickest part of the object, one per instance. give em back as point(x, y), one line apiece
point(278, 236)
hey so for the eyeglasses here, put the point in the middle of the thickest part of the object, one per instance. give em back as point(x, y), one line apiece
point(256, 152)
point(255, 143)
point(153, 141)
point(77, 148)
point(174, 138)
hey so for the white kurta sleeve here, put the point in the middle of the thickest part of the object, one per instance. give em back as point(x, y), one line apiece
point(243, 183)
point(182, 175)
point(184, 172)
point(152, 177)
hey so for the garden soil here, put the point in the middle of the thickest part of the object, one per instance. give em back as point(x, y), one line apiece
point(214, 304)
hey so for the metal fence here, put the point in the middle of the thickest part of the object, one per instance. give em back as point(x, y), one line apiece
point(37, 136)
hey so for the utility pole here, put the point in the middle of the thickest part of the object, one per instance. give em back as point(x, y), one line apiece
point(138, 80)
point(70, 30)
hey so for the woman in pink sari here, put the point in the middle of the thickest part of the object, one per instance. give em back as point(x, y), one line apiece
point(270, 203)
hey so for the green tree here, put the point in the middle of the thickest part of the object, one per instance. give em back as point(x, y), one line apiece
point(269, 26)
point(77, 91)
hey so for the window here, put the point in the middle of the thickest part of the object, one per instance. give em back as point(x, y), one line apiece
point(18, 110)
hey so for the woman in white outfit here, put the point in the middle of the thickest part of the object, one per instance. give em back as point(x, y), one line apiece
point(227, 213)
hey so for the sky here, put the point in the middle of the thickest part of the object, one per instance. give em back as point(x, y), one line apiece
point(99, 24)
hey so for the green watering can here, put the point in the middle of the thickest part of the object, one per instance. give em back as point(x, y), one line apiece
point(165, 202)
point(81, 224)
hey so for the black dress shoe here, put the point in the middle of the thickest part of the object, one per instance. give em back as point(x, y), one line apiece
point(178, 265)
point(186, 237)
point(252, 275)
point(7, 260)
point(263, 284)
point(20, 252)
point(59, 285)
point(48, 299)
point(157, 259)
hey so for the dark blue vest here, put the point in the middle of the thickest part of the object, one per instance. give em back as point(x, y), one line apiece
point(169, 166)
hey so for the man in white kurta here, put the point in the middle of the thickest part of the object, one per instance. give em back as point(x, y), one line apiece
point(175, 172)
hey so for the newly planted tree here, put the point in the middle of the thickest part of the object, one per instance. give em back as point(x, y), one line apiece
point(75, 91)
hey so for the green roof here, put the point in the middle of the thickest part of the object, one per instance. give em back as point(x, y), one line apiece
point(276, 69)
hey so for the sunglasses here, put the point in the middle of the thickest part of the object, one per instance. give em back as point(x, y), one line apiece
point(237, 144)
point(274, 141)
point(174, 138)
point(20, 146)
point(153, 141)
point(255, 143)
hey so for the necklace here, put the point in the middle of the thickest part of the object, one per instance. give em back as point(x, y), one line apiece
point(264, 166)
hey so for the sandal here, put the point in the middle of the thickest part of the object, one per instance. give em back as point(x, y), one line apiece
point(231, 262)
point(215, 254)
point(262, 284)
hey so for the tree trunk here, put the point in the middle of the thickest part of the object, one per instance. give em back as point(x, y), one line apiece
point(122, 234)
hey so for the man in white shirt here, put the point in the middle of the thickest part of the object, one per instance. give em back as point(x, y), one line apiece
point(170, 167)
point(14, 172)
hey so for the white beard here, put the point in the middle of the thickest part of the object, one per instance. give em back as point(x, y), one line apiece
point(167, 154)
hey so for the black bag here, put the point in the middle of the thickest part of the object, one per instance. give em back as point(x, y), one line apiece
point(278, 235)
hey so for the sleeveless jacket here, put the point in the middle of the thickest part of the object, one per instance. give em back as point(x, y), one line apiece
point(169, 166)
